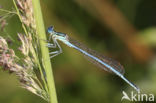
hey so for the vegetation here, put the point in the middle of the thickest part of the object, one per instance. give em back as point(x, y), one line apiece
point(121, 29)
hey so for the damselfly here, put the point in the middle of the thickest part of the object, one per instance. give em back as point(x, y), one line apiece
point(103, 62)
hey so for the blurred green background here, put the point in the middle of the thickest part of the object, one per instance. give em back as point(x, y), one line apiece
point(122, 29)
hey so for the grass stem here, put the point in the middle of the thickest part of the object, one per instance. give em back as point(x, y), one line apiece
point(44, 50)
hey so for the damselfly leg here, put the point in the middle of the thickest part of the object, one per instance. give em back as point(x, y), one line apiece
point(54, 45)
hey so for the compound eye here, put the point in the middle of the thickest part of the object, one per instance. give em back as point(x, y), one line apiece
point(50, 29)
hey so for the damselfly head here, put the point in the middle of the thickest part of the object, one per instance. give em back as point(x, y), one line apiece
point(50, 30)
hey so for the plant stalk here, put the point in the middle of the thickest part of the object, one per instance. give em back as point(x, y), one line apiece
point(44, 50)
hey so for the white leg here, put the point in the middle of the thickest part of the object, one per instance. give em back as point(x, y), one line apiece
point(55, 53)
point(52, 45)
